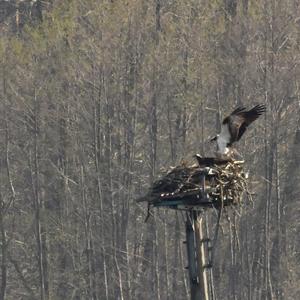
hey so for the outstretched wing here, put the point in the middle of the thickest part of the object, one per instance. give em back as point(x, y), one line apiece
point(252, 114)
point(249, 117)
point(240, 119)
point(233, 122)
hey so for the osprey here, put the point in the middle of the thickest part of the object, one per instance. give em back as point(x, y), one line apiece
point(234, 126)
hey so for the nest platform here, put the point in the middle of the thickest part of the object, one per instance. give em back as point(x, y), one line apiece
point(210, 183)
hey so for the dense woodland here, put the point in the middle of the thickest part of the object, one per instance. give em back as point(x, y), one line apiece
point(97, 98)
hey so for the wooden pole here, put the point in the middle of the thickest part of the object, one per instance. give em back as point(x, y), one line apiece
point(202, 256)
point(192, 258)
point(197, 256)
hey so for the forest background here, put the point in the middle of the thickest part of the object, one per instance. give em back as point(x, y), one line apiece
point(96, 98)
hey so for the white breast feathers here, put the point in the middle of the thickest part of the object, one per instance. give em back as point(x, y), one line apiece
point(223, 139)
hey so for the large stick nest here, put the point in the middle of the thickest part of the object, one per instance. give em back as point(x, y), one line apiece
point(204, 186)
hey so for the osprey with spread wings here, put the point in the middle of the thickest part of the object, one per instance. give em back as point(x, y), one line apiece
point(234, 126)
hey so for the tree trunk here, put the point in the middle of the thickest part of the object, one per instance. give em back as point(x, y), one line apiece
point(38, 205)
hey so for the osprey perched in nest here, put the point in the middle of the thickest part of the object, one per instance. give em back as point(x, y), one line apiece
point(234, 126)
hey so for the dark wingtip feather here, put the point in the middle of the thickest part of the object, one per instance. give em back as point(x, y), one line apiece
point(259, 109)
point(252, 114)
